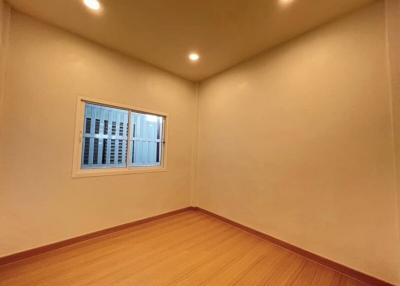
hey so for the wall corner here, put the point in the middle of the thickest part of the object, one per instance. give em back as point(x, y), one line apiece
point(195, 134)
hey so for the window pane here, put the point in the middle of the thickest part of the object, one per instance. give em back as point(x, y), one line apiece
point(146, 140)
point(102, 148)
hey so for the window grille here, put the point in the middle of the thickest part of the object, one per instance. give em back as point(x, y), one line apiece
point(105, 136)
point(146, 139)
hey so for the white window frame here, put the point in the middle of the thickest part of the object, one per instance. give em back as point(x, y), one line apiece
point(78, 172)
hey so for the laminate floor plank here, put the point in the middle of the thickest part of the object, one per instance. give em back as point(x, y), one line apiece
point(185, 249)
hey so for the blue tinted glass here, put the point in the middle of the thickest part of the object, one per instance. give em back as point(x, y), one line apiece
point(146, 140)
point(102, 148)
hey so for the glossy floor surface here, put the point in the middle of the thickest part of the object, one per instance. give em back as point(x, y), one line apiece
point(189, 248)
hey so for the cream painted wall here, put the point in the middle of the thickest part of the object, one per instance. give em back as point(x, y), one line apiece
point(393, 37)
point(298, 143)
point(40, 202)
point(2, 49)
point(4, 27)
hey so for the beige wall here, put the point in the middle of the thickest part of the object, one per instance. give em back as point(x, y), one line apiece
point(298, 143)
point(393, 36)
point(39, 201)
point(4, 27)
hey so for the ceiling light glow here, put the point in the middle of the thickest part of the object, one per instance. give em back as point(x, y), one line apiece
point(92, 4)
point(285, 2)
point(194, 57)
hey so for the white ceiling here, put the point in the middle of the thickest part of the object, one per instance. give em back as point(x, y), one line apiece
point(163, 32)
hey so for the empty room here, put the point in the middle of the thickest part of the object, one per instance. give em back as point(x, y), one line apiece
point(199, 142)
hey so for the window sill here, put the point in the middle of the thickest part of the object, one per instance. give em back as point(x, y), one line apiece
point(116, 171)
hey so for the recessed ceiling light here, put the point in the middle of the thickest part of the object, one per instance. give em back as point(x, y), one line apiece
point(92, 4)
point(194, 57)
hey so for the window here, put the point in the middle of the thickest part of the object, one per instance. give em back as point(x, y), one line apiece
point(114, 139)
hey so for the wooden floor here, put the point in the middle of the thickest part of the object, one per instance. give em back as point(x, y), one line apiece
point(189, 248)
